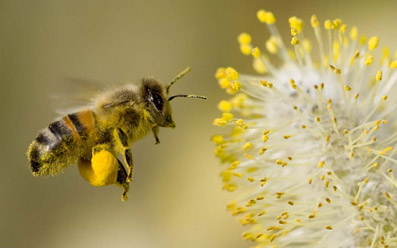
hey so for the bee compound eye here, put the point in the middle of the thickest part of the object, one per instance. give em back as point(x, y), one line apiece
point(157, 101)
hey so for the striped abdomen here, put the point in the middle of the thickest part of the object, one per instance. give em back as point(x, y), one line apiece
point(62, 143)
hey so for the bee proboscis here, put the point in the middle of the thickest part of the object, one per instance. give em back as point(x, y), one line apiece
point(95, 135)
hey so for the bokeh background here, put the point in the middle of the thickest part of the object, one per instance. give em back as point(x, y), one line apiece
point(176, 198)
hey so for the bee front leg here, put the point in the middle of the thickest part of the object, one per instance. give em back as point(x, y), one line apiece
point(123, 140)
point(155, 130)
point(122, 180)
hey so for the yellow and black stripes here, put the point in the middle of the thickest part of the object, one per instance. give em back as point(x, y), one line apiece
point(57, 145)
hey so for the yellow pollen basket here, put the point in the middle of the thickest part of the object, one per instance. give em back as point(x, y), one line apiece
point(102, 170)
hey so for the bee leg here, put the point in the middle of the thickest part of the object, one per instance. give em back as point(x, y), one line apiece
point(155, 130)
point(126, 153)
point(122, 180)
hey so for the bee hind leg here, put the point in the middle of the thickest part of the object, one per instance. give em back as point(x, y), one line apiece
point(155, 131)
point(122, 137)
point(122, 181)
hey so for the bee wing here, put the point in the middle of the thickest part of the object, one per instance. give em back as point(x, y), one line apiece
point(74, 94)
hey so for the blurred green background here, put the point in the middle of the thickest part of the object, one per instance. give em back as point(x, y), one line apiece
point(175, 199)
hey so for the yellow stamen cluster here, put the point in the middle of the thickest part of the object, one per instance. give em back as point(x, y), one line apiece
point(311, 161)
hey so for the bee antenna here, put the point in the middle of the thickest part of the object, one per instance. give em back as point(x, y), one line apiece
point(179, 76)
point(187, 96)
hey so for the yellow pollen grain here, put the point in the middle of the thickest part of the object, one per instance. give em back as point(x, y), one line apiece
point(271, 45)
point(220, 122)
point(217, 139)
point(337, 23)
point(335, 188)
point(282, 222)
point(292, 83)
point(310, 180)
point(296, 23)
point(384, 98)
point(321, 164)
point(262, 150)
point(328, 25)
point(294, 41)
point(314, 21)
point(379, 75)
point(368, 60)
point(291, 203)
point(236, 85)
point(317, 119)
point(245, 49)
point(244, 38)
point(265, 138)
point(328, 200)
point(225, 106)
point(320, 205)
point(259, 198)
point(224, 83)
point(393, 64)
point(232, 73)
point(256, 52)
point(347, 88)
point(247, 146)
point(287, 136)
point(328, 227)
point(322, 177)
point(227, 116)
point(373, 43)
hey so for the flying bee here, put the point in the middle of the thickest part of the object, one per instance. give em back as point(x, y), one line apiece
point(95, 135)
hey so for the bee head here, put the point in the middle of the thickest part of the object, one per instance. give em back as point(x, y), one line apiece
point(156, 102)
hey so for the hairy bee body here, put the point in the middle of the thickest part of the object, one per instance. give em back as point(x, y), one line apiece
point(95, 135)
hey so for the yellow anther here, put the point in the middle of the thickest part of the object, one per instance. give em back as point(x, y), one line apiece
point(273, 237)
point(310, 180)
point(247, 146)
point(354, 33)
point(256, 53)
point(265, 138)
point(227, 116)
point(356, 95)
point(261, 213)
point(347, 88)
point(379, 76)
point(343, 28)
point(245, 49)
point(259, 66)
point(328, 200)
point(314, 21)
point(373, 43)
point(296, 23)
point(322, 177)
point(291, 203)
point(220, 122)
point(279, 162)
point(232, 73)
point(262, 150)
point(326, 184)
point(328, 25)
point(317, 119)
point(251, 179)
point(366, 180)
point(220, 73)
point(224, 83)
point(368, 59)
point(271, 45)
point(244, 38)
point(337, 23)
point(240, 123)
point(260, 197)
point(335, 70)
point(225, 106)
point(294, 41)
point(270, 19)
point(363, 39)
point(384, 98)
point(261, 15)
point(264, 83)
point(287, 136)
point(328, 227)
point(217, 139)
point(237, 174)
point(387, 195)
point(292, 83)
point(321, 164)
point(282, 222)
point(236, 85)
point(270, 228)
point(393, 64)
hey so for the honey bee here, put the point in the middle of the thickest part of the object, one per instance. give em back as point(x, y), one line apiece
point(95, 135)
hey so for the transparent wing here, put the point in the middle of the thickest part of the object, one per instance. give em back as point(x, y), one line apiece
point(72, 94)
